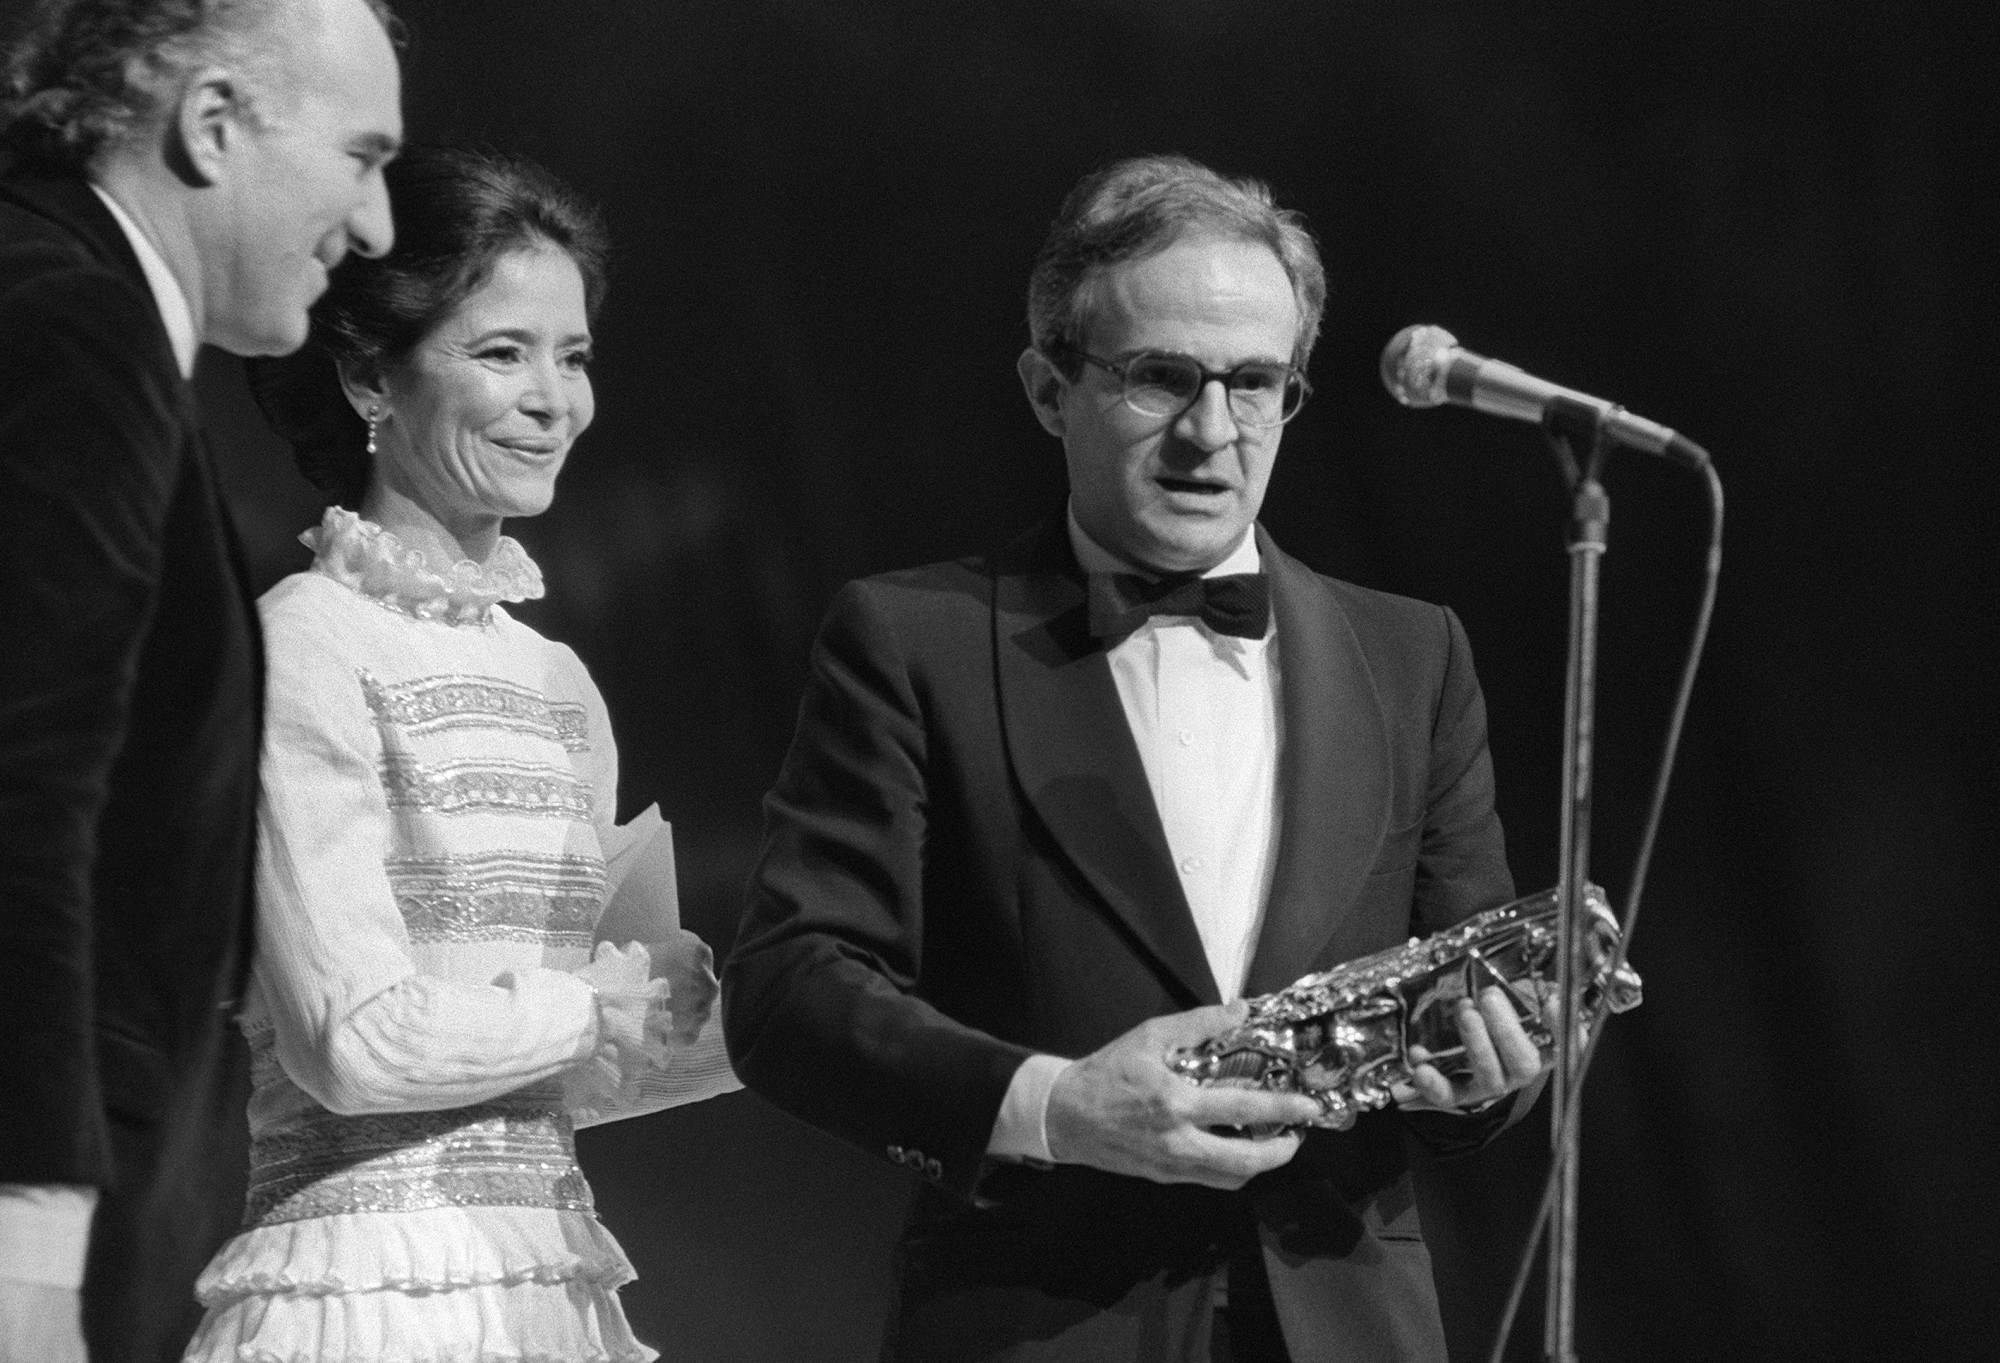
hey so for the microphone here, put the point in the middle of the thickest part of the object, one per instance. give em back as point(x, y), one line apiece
point(1423, 366)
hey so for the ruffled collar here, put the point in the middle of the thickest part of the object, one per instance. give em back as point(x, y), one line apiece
point(363, 556)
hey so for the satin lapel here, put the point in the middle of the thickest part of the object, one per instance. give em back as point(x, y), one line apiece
point(1333, 774)
point(1073, 753)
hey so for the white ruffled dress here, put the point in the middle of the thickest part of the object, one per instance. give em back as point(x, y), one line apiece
point(439, 782)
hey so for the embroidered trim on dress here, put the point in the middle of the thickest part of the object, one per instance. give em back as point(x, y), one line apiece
point(572, 725)
point(484, 787)
point(499, 896)
point(516, 1151)
point(361, 555)
point(459, 701)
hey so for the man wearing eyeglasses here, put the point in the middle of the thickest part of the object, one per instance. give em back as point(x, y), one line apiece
point(1049, 815)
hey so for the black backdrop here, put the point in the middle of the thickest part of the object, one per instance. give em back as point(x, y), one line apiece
point(1758, 222)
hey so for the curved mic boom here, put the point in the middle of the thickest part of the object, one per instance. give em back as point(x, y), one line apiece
point(1424, 366)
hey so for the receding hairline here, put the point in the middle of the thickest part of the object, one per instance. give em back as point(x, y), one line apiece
point(278, 47)
point(1087, 300)
point(1133, 209)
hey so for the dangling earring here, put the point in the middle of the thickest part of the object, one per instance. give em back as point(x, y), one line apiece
point(374, 415)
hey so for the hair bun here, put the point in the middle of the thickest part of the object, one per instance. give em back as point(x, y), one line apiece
point(300, 395)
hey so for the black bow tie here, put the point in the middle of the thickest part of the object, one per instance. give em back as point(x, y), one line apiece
point(1236, 603)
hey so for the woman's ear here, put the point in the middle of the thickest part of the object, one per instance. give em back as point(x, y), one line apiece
point(363, 387)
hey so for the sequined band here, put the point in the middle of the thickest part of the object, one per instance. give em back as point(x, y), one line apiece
point(505, 1153)
point(435, 704)
point(572, 728)
point(499, 896)
point(484, 787)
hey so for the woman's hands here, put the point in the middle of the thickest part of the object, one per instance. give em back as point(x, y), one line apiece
point(631, 1001)
point(651, 997)
point(632, 1027)
point(685, 962)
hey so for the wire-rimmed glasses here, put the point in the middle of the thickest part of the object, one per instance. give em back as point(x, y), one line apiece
point(1160, 383)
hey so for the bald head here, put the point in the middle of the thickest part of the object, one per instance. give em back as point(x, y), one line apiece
point(288, 52)
point(278, 148)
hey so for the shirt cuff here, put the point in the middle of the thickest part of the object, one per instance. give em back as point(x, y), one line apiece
point(1021, 1131)
point(45, 1232)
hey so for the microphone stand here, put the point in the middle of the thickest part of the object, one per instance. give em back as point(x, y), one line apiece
point(1570, 425)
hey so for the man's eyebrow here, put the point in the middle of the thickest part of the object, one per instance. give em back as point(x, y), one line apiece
point(378, 146)
point(1125, 357)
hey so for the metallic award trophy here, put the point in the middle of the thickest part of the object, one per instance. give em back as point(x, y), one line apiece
point(1343, 1037)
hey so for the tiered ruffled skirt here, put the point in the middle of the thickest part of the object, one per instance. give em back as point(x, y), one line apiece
point(478, 1284)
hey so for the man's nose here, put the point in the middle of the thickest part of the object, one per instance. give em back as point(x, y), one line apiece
point(1208, 423)
point(371, 226)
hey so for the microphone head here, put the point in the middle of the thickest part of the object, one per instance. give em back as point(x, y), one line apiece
point(1414, 364)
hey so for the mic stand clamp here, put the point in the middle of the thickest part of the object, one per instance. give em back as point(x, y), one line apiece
point(1571, 426)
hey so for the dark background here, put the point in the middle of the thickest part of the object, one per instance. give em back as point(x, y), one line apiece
point(1766, 224)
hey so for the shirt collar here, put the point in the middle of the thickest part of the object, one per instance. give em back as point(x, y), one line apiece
point(167, 295)
point(1093, 557)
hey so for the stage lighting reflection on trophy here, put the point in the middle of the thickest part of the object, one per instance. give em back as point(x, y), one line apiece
point(1344, 1036)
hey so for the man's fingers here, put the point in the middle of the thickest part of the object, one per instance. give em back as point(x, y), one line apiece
point(1232, 1161)
point(1207, 1107)
point(1123, 1109)
point(1499, 1057)
point(1475, 1036)
point(1427, 1088)
point(1518, 1058)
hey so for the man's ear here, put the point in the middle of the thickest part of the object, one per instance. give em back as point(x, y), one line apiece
point(210, 117)
point(1044, 385)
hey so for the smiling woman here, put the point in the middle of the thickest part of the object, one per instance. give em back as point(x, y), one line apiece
point(498, 264)
point(473, 426)
point(434, 1004)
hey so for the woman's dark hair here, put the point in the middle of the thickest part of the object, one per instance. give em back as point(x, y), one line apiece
point(457, 213)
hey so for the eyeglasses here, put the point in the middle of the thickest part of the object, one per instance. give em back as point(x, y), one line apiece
point(1157, 383)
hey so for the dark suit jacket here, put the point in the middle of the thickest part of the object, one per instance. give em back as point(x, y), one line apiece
point(129, 721)
point(963, 864)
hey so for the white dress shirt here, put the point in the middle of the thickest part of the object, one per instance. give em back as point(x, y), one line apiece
point(167, 294)
point(1203, 709)
point(45, 1228)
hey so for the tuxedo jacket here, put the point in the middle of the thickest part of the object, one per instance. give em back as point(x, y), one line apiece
point(129, 724)
point(963, 864)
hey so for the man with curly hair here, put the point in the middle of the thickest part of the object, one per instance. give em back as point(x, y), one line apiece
point(172, 173)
